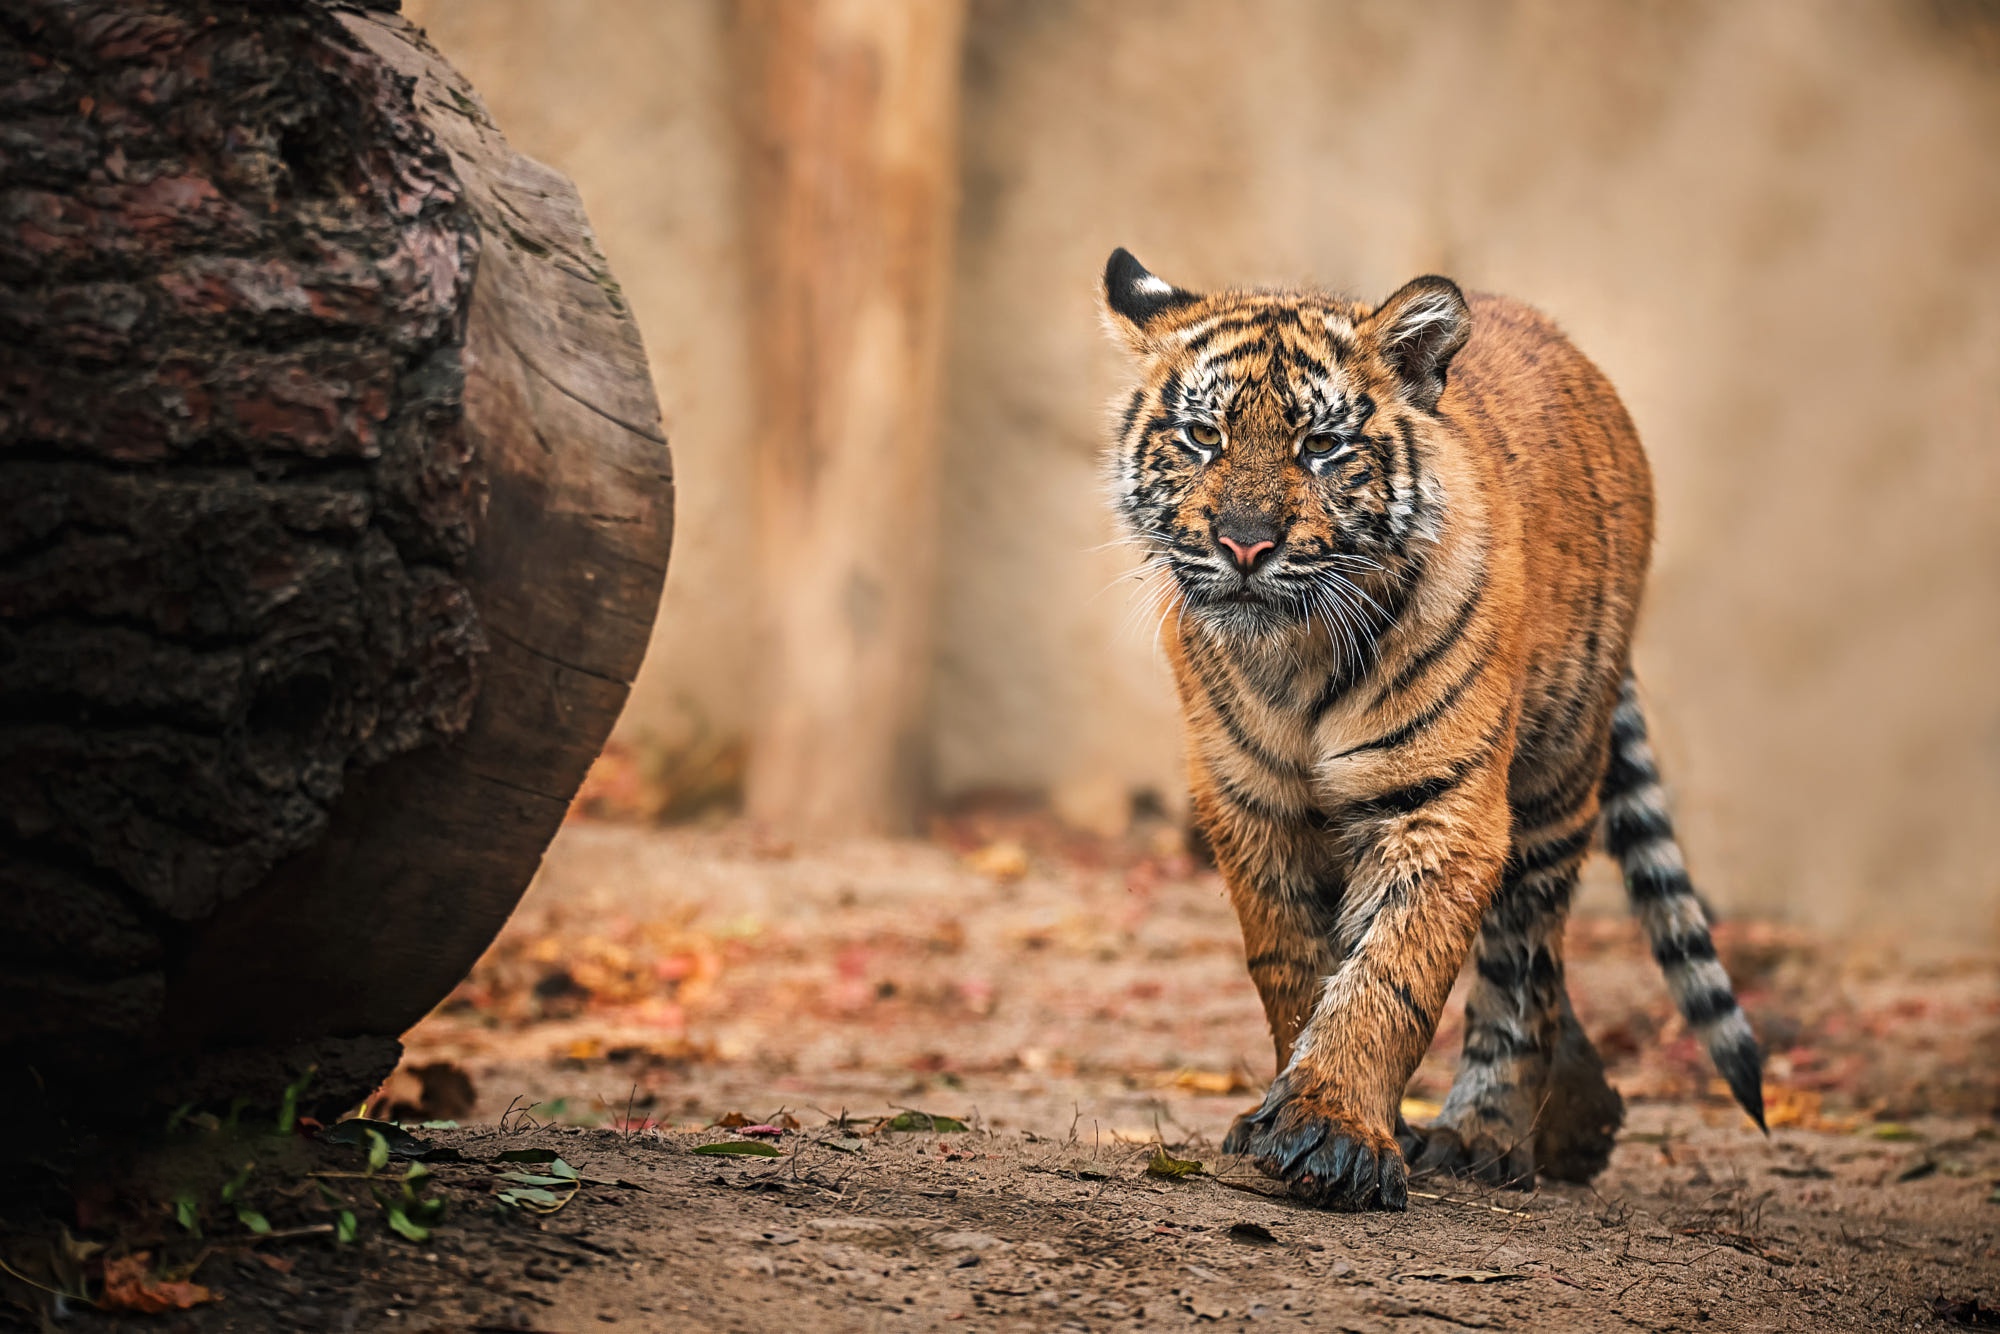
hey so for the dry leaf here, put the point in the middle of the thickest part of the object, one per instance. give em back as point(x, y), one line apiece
point(1212, 1081)
point(129, 1287)
point(1004, 860)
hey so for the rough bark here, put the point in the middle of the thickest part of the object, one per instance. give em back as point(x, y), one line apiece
point(851, 113)
point(333, 515)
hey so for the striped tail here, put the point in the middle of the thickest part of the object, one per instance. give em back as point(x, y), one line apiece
point(1640, 834)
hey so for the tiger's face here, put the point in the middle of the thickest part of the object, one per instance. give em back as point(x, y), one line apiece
point(1271, 457)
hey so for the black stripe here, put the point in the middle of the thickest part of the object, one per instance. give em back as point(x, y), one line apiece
point(1555, 805)
point(1423, 721)
point(1652, 884)
point(1507, 972)
point(1275, 959)
point(1453, 632)
point(1409, 999)
point(1493, 1046)
point(1621, 776)
point(1132, 413)
point(1244, 741)
point(1224, 324)
point(1708, 1006)
point(1628, 827)
point(1675, 951)
point(1521, 864)
point(1408, 800)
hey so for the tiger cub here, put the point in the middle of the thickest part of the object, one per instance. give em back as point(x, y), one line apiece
point(1405, 546)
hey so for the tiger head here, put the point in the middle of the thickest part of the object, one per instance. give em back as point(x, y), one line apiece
point(1271, 456)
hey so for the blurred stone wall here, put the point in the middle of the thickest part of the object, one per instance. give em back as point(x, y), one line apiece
point(1776, 225)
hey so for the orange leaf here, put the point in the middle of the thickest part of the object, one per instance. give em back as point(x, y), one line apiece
point(128, 1287)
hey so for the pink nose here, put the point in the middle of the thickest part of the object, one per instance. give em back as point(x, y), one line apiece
point(1245, 556)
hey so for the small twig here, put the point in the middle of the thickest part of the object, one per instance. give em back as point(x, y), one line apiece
point(53, 1292)
point(284, 1234)
point(1468, 1204)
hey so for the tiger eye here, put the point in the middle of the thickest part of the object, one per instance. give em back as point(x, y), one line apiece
point(1208, 437)
point(1320, 444)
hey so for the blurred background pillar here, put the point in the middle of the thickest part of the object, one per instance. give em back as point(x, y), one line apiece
point(850, 112)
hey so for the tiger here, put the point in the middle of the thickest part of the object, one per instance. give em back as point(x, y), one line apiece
point(1403, 549)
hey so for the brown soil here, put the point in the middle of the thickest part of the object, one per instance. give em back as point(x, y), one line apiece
point(1079, 1004)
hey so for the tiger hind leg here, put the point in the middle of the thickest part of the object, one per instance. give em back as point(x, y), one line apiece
point(1530, 1091)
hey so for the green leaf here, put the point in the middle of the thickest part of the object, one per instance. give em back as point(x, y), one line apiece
point(416, 1174)
point(187, 1212)
point(288, 1106)
point(345, 1227)
point(925, 1121)
point(236, 1183)
point(378, 1151)
point(255, 1221)
point(1166, 1165)
point(535, 1200)
point(740, 1148)
point(530, 1179)
point(526, 1156)
point(437, 1125)
point(426, 1211)
point(1894, 1130)
point(403, 1225)
point(559, 1168)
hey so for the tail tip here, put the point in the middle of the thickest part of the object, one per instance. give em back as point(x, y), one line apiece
point(1743, 1069)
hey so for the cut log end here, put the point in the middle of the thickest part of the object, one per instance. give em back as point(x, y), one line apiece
point(334, 510)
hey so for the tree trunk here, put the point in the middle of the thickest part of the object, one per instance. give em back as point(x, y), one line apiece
point(851, 110)
point(334, 510)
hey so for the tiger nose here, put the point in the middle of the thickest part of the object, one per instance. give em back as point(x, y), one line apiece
point(1247, 544)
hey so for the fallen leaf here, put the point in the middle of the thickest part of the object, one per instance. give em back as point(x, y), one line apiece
point(1252, 1234)
point(533, 1199)
point(1211, 1081)
point(731, 1120)
point(1893, 1130)
point(768, 1131)
point(742, 1148)
point(842, 1143)
point(1458, 1275)
point(1166, 1165)
point(1003, 860)
point(925, 1121)
point(129, 1287)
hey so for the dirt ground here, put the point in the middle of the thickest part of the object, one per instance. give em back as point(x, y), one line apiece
point(1080, 1006)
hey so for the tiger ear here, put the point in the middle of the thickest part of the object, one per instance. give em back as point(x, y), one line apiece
point(1134, 300)
point(1418, 331)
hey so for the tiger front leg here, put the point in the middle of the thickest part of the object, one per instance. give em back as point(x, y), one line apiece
point(1327, 1125)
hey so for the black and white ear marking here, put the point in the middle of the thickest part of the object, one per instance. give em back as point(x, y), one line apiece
point(1136, 297)
point(1419, 330)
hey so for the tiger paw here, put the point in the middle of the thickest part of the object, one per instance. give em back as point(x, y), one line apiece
point(1478, 1155)
point(1324, 1152)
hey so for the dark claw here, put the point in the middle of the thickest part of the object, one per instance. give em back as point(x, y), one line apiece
point(1395, 1186)
point(1315, 1153)
point(1306, 1139)
point(1361, 1179)
point(1445, 1151)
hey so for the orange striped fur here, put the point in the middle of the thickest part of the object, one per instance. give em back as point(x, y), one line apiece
point(1405, 547)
